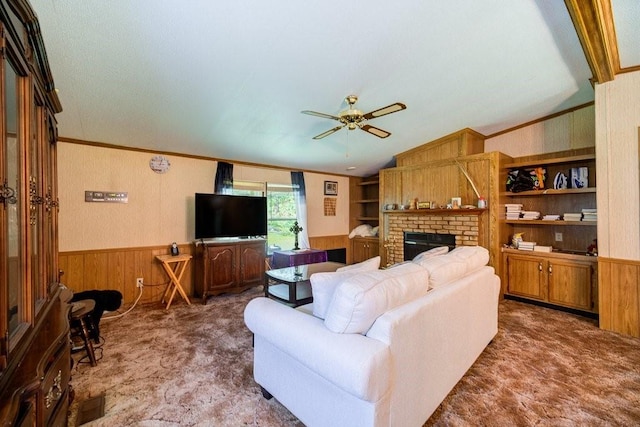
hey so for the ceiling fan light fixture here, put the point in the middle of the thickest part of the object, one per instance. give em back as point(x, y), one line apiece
point(354, 119)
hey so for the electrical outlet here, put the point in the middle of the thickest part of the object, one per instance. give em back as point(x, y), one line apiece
point(558, 237)
point(139, 282)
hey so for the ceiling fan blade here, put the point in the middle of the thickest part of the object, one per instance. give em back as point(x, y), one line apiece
point(375, 131)
point(385, 110)
point(323, 115)
point(329, 132)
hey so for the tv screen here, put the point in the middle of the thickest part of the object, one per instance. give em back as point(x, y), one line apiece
point(223, 215)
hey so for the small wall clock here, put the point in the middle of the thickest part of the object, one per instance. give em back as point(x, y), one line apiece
point(159, 164)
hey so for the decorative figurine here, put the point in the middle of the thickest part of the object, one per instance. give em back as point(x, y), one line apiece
point(295, 229)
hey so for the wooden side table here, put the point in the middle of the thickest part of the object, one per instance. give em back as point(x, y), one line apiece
point(175, 275)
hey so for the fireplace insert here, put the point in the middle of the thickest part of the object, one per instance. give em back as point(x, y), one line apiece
point(415, 243)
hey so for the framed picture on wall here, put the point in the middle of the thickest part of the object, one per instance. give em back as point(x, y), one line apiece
point(330, 188)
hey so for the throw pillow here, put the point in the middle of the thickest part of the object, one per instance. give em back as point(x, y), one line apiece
point(431, 253)
point(362, 298)
point(323, 285)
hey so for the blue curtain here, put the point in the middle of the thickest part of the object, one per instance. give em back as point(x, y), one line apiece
point(224, 178)
point(300, 197)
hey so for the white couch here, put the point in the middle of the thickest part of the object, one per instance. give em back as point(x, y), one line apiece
point(362, 367)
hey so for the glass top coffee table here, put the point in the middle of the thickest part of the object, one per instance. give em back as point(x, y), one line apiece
point(292, 285)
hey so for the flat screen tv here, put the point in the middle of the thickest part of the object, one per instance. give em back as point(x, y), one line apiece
point(223, 215)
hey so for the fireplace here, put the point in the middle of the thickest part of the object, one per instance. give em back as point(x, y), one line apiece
point(415, 243)
point(465, 225)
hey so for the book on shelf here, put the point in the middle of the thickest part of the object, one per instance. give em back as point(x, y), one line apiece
point(572, 216)
point(542, 248)
point(551, 217)
point(529, 215)
point(589, 214)
point(526, 246)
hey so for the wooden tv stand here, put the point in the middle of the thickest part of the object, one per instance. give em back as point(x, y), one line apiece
point(229, 265)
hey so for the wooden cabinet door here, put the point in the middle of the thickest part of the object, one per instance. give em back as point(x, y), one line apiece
point(364, 248)
point(374, 249)
point(570, 283)
point(360, 250)
point(220, 267)
point(252, 265)
point(526, 276)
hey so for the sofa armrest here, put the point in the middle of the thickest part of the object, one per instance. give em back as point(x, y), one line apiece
point(357, 364)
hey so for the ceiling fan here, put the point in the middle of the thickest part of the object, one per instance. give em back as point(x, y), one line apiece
point(354, 119)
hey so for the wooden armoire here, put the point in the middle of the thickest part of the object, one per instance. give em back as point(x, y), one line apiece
point(34, 327)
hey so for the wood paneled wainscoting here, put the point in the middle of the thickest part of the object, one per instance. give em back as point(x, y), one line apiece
point(619, 295)
point(332, 242)
point(117, 269)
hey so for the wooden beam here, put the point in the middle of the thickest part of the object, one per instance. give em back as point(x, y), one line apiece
point(593, 21)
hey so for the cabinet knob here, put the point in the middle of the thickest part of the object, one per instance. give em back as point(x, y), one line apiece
point(550, 268)
point(539, 266)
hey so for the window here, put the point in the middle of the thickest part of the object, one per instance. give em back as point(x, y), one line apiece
point(281, 210)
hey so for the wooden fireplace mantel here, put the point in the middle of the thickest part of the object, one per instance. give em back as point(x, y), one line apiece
point(439, 212)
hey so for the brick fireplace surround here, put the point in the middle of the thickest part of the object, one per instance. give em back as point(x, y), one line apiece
point(464, 224)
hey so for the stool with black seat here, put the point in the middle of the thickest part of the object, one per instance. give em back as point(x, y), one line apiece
point(81, 324)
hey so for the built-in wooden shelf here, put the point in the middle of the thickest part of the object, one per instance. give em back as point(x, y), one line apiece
point(556, 253)
point(552, 223)
point(368, 218)
point(551, 161)
point(550, 192)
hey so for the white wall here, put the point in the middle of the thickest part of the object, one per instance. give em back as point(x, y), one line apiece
point(618, 167)
point(575, 129)
point(160, 209)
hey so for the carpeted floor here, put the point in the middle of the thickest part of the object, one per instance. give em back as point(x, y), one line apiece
point(192, 366)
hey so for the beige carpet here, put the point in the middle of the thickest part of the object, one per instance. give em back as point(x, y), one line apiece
point(192, 366)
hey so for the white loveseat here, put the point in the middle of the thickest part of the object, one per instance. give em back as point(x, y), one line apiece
point(388, 345)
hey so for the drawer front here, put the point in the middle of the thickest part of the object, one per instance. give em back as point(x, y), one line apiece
point(55, 386)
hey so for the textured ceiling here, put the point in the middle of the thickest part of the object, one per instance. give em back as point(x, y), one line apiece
point(228, 79)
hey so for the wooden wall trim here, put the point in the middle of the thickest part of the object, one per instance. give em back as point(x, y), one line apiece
point(118, 268)
point(619, 295)
point(593, 21)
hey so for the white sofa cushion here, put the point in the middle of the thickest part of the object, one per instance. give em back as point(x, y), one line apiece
point(323, 285)
point(441, 250)
point(367, 265)
point(360, 299)
point(452, 266)
point(474, 257)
